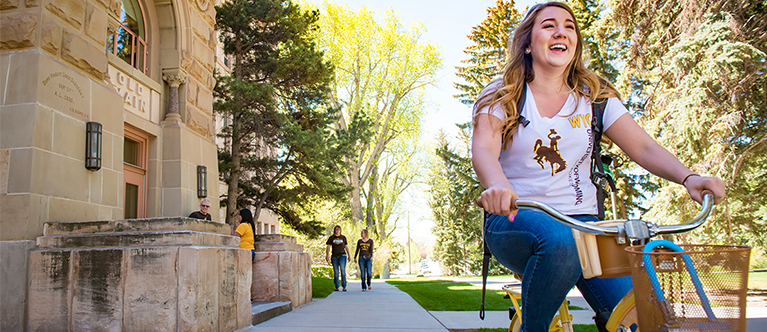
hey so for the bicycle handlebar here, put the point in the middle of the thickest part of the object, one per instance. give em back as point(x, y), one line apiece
point(631, 228)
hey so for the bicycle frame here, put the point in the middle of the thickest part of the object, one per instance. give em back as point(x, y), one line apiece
point(627, 229)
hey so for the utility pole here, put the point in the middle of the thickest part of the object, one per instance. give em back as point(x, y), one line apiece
point(409, 261)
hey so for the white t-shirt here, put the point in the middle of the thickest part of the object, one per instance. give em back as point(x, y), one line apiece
point(549, 160)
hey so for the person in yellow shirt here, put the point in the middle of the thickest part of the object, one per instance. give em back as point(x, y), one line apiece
point(246, 234)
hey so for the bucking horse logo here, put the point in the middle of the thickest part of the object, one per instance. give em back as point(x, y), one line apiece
point(550, 153)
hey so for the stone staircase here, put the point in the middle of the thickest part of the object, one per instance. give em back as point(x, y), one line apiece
point(169, 274)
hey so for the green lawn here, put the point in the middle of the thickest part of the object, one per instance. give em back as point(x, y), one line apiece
point(500, 276)
point(757, 280)
point(321, 287)
point(447, 295)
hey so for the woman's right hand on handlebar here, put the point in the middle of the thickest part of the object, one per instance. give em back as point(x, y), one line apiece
point(499, 199)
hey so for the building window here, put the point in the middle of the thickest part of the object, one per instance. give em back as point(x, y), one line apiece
point(129, 43)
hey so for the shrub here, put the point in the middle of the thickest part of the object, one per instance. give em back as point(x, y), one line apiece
point(322, 271)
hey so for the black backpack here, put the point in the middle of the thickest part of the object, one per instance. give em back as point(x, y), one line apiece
point(599, 176)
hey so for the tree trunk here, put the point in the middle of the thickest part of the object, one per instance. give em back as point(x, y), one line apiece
point(356, 202)
point(382, 229)
point(259, 206)
point(234, 179)
point(372, 197)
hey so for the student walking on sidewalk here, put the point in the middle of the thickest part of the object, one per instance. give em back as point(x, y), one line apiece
point(365, 251)
point(339, 257)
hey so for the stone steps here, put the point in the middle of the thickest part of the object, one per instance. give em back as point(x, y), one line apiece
point(158, 274)
point(264, 311)
point(278, 246)
point(137, 239)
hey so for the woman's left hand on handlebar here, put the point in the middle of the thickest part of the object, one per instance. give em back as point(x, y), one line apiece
point(697, 184)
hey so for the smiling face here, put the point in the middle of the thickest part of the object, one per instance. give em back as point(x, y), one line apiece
point(553, 41)
point(204, 206)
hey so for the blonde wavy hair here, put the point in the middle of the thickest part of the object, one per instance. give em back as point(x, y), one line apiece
point(507, 89)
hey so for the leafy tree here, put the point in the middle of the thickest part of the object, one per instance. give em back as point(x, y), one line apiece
point(279, 148)
point(695, 74)
point(393, 173)
point(454, 188)
point(487, 55)
point(381, 73)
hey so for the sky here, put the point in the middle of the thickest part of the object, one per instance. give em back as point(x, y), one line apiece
point(447, 24)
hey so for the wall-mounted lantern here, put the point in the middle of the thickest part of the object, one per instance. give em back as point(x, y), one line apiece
point(202, 181)
point(93, 146)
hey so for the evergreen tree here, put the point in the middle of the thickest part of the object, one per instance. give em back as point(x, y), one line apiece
point(454, 188)
point(279, 148)
point(600, 37)
point(487, 55)
point(695, 75)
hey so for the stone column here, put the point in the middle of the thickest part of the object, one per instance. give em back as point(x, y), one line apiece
point(174, 78)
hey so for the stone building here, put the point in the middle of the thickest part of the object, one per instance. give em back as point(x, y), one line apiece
point(105, 115)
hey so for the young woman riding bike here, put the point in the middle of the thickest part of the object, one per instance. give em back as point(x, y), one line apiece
point(542, 153)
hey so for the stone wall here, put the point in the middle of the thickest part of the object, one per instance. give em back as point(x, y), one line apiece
point(13, 288)
point(281, 271)
point(42, 146)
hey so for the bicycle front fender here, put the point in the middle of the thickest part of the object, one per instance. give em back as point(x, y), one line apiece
point(626, 307)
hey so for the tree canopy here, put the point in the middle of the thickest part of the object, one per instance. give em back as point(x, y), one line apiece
point(279, 148)
point(695, 74)
point(487, 54)
point(382, 69)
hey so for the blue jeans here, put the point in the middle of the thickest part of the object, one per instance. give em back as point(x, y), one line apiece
point(543, 251)
point(366, 270)
point(339, 265)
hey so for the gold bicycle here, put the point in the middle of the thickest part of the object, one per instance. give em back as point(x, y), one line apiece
point(676, 288)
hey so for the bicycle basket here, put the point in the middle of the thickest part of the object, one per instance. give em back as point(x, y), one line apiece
point(708, 295)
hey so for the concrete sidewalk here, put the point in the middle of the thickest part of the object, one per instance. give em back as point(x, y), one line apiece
point(388, 309)
point(385, 309)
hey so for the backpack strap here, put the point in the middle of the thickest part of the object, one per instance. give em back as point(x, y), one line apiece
point(521, 104)
point(598, 175)
point(485, 263)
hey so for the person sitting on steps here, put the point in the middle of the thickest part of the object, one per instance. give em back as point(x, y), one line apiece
point(203, 213)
